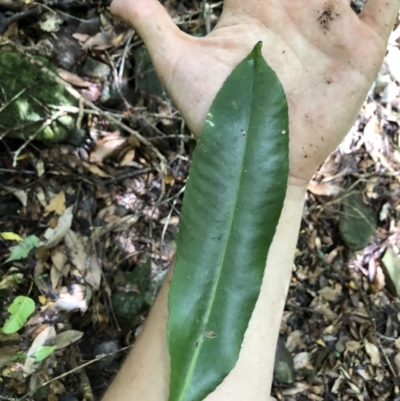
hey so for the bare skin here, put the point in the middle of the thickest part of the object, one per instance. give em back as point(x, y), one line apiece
point(326, 58)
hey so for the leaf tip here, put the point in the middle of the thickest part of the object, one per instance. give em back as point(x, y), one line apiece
point(258, 48)
point(256, 53)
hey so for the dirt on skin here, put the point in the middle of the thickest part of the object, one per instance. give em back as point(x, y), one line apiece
point(328, 15)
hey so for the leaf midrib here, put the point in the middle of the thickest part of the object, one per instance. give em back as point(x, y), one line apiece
point(214, 289)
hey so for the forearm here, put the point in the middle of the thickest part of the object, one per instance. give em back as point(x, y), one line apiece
point(145, 374)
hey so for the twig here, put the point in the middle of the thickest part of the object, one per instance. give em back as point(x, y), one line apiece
point(207, 16)
point(98, 358)
point(128, 175)
point(60, 12)
point(10, 170)
point(13, 99)
point(166, 224)
point(126, 48)
point(170, 137)
point(163, 162)
point(48, 122)
point(181, 191)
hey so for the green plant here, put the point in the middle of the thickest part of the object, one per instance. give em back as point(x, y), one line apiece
point(22, 250)
point(233, 201)
point(20, 310)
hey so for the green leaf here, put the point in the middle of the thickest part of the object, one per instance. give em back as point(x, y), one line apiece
point(43, 352)
point(20, 310)
point(391, 270)
point(233, 201)
point(22, 250)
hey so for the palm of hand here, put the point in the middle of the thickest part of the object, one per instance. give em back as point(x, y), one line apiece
point(325, 56)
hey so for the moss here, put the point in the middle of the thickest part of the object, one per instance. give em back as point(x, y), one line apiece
point(26, 114)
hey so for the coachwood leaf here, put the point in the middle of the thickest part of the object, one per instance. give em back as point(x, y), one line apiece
point(233, 201)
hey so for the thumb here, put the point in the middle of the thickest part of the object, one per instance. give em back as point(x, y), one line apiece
point(163, 39)
point(381, 15)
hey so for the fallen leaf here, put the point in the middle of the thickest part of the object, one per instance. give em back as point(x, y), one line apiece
point(11, 281)
point(330, 294)
point(96, 170)
point(18, 193)
point(43, 352)
point(353, 346)
point(43, 338)
point(55, 235)
point(20, 310)
point(40, 168)
point(22, 250)
point(76, 250)
point(55, 277)
point(128, 158)
point(295, 340)
point(56, 205)
point(324, 189)
point(73, 79)
point(59, 259)
point(67, 338)
point(9, 236)
point(396, 361)
point(373, 353)
point(391, 270)
point(7, 354)
point(81, 37)
point(172, 221)
point(106, 147)
point(94, 270)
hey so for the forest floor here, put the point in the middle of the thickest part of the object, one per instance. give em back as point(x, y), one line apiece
point(88, 227)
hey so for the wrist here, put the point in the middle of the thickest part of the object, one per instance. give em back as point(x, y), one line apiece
point(251, 378)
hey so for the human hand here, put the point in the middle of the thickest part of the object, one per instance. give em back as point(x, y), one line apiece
point(325, 56)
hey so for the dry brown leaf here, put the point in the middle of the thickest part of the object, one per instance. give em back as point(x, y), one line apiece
point(128, 158)
point(6, 353)
point(56, 205)
point(172, 221)
point(67, 338)
point(324, 188)
point(76, 250)
point(294, 340)
point(10, 282)
point(45, 337)
point(55, 235)
point(59, 259)
point(100, 41)
point(81, 37)
point(94, 270)
point(352, 346)
point(373, 352)
point(73, 79)
point(107, 147)
point(397, 363)
point(96, 170)
point(55, 277)
point(18, 193)
point(330, 294)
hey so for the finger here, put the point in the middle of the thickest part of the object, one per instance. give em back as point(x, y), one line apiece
point(152, 22)
point(165, 42)
point(381, 15)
